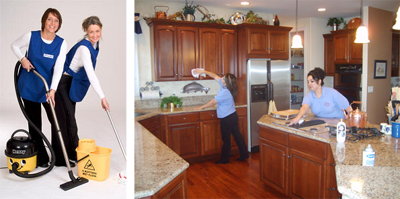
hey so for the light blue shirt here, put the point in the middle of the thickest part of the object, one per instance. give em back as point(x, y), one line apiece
point(330, 104)
point(226, 104)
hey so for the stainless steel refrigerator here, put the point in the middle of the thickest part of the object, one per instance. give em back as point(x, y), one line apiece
point(266, 80)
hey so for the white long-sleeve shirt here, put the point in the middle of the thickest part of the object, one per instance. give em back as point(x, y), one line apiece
point(24, 40)
point(82, 58)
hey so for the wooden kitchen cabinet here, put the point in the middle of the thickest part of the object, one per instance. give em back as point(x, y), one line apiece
point(346, 51)
point(395, 52)
point(218, 51)
point(180, 46)
point(296, 166)
point(156, 127)
point(263, 41)
point(177, 188)
point(184, 134)
point(329, 57)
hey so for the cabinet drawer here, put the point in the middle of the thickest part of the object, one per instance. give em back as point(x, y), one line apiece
point(306, 145)
point(183, 118)
point(241, 111)
point(208, 115)
point(150, 122)
point(274, 135)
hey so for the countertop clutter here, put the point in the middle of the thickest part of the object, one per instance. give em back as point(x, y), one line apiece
point(353, 179)
point(156, 164)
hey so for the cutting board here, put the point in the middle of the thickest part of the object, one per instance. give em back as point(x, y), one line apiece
point(285, 114)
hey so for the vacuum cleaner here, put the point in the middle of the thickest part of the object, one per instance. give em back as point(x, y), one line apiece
point(21, 152)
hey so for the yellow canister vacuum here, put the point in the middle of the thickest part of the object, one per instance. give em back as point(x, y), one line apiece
point(20, 152)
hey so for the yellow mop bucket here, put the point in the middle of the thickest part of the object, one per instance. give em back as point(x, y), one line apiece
point(97, 165)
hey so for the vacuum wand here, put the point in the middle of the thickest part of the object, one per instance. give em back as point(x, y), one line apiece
point(116, 134)
point(74, 182)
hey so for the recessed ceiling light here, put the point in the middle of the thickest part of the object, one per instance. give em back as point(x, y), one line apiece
point(321, 9)
point(245, 3)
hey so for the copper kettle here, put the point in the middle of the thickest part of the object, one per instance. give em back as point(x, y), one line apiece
point(357, 118)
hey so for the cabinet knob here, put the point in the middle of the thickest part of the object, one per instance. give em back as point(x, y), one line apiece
point(284, 155)
point(288, 156)
point(184, 118)
point(333, 164)
point(176, 75)
point(332, 189)
point(212, 115)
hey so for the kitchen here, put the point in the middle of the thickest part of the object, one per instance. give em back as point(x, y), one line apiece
point(313, 55)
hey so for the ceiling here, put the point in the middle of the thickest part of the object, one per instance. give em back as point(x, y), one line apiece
point(307, 8)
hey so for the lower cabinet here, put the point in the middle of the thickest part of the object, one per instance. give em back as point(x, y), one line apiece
point(156, 126)
point(177, 188)
point(295, 166)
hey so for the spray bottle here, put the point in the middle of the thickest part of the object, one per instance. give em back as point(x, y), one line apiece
point(368, 156)
point(341, 131)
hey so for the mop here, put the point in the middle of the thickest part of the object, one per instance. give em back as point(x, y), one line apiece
point(74, 181)
point(127, 157)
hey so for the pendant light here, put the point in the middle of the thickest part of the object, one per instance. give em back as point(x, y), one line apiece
point(362, 31)
point(296, 42)
point(397, 25)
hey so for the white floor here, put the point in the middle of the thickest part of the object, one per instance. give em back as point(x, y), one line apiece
point(92, 124)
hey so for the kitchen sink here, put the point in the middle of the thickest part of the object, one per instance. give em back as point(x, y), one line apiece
point(139, 114)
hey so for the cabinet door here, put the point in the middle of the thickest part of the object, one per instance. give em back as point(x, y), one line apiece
point(257, 43)
point(184, 139)
point(307, 175)
point(211, 137)
point(165, 59)
point(355, 50)
point(188, 52)
point(329, 57)
point(209, 50)
point(228, 52)
point(273, 164)
point(279, 44)
point(341, 48)
point(159, 132)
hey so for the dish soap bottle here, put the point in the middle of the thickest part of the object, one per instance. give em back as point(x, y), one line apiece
point(368, 156)
point(341, 131)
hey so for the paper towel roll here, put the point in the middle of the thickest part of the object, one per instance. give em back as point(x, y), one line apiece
point(150, 94)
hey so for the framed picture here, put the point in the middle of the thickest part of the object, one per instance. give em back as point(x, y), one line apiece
point(380, 69)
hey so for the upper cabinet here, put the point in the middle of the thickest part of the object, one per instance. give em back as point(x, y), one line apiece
point(329, 57)
point(395, 53)
point(346, 51)
point(263, 41)
point(180, 46)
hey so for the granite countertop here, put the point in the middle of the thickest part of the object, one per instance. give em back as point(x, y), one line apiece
point(353, 179)
point(155, 163)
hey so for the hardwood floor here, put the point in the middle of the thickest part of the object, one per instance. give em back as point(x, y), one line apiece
point(237, 179)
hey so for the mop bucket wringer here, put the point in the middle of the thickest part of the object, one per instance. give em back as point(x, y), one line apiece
point(97, 165)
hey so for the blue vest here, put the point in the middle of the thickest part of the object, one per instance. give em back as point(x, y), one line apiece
point(80, 82)
point(43, 57)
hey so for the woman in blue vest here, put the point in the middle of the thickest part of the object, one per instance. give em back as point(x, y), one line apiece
point(77, 77)
point(46, 53)
point(226, 111)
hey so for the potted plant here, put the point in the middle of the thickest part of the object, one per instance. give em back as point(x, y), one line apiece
point(171, 101)
point(188, 11)
point(335, 22)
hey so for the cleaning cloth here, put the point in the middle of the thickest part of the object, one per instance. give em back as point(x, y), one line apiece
point(197, 74)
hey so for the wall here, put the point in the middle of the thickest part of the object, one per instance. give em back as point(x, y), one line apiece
point(146, 9)
point(19, 17)
point(379, 26)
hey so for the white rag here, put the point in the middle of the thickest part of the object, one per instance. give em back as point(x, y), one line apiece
point(197, 75)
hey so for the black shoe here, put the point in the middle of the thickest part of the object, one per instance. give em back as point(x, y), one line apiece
point(222, 162)
point(242, 158)
point(43, 165)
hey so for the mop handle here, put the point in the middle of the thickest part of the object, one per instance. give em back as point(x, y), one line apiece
point(55, 121)
point(116, 134)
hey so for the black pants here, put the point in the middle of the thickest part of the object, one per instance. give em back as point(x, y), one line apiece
point(230, 125)
point(65, 111)
point(34, 112)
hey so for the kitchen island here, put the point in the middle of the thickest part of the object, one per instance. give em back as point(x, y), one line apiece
point(353, 180)
point(161, 137)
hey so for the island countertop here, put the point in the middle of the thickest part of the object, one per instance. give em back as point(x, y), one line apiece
point(353, 179)
point(155, 163)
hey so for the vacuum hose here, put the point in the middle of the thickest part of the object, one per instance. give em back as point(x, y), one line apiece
point(53, 156)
